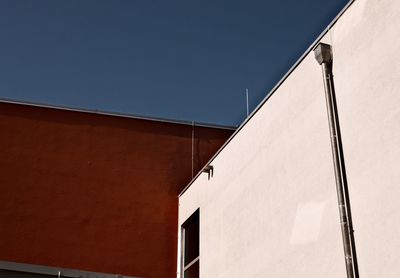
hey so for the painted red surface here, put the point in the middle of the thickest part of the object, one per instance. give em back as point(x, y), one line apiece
point(93, 192)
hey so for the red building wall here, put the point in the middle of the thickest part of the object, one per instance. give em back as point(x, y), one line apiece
point(94, 192)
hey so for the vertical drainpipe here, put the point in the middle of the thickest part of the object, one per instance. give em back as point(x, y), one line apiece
point(323, 54)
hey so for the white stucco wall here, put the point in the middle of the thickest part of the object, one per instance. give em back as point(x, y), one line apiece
point(271, 208)
point(366, 45)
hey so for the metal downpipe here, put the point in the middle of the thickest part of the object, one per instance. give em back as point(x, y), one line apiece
point(323, 54)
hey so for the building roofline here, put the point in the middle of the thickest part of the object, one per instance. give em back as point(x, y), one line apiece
point(115, 114)
point(272, 91)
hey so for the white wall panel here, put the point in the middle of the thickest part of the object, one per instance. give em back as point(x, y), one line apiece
point(271, 208)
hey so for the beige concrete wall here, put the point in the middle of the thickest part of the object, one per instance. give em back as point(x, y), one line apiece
point(271, 208)
point(366, 45)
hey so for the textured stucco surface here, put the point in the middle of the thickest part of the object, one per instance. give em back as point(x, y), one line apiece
point(271, 208)
point(367, 73)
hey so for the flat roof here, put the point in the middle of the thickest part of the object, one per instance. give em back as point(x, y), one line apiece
point(54, 271)
point(115, 114)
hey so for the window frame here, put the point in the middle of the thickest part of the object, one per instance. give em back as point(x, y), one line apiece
point(184, 267)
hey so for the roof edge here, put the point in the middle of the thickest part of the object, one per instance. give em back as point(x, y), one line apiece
point(53, 271)
point(272, 91)
point(115, 114)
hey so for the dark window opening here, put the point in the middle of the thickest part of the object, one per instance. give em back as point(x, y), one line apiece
point(191, 246)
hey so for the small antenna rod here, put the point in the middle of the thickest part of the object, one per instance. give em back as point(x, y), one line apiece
point(247, 101)
point(192, 149)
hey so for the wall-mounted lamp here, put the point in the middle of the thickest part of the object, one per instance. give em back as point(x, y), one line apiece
point(209, 169)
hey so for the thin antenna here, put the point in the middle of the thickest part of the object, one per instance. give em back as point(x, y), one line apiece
point(192, 149)
point(247, 101)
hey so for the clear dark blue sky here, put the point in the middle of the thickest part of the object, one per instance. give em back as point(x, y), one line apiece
point(185, 60)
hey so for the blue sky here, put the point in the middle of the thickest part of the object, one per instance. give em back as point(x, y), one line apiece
point(184, 60)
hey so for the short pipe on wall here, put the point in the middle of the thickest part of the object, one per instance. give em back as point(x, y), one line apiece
point(323, 55)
